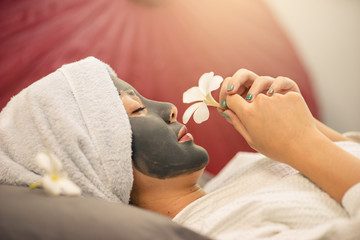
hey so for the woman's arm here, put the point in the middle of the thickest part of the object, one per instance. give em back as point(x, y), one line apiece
point(326, 164)
point(329, 132)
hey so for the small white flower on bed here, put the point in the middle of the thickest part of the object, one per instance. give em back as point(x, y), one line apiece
point(55, 181)
point(202, 96)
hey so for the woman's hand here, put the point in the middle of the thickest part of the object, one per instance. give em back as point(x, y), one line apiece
point(239, 83)
point(277, 122)
point(272, 125)
point(248, 85)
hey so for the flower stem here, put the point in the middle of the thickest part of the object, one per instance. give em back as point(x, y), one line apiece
point(35, 185)
point(210, 101)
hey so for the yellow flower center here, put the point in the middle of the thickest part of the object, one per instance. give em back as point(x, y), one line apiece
point(55, 178)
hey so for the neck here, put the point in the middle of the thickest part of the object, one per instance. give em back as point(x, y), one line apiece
point(168, 203)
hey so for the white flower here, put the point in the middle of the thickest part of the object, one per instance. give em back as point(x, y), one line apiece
point(207, 83)
point(55, 181)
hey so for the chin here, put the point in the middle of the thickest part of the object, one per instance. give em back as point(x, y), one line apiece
point(201, 154)
point(173, 161)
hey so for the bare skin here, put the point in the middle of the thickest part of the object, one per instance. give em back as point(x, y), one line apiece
point(165, 196)
point(291, 135)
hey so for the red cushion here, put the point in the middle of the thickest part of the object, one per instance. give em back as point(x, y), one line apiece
point(160, 47)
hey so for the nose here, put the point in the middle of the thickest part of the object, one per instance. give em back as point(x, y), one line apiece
point(166, 111)
point(173, 114)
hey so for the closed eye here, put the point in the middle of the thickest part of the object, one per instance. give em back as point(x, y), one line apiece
point(139, 110)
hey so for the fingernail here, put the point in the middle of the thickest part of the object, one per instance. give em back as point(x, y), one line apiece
point(271, 91)
point(223, 103)
point(225, 115)
point(230, 87)
point(249, 96)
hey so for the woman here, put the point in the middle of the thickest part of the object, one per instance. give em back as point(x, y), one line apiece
point(255, 197)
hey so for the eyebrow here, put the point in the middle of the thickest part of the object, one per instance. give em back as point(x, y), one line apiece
point(128, 91)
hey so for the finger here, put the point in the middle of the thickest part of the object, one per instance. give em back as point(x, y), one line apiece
point(260, 85)
point(241, 81)
point(237, 105)
point(222, 113)
point(283, 85)
point(238, 125)
point(223, 93)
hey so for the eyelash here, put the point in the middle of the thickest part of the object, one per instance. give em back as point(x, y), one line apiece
point(139, 110)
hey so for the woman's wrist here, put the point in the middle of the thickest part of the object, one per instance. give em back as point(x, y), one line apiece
point(304, 151)
point(301, 147)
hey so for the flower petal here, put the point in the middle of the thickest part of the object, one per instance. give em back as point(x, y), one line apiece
point(208, 82)
point(204, 82)
point(68, 187)
point(215, 83)
point(48, 161)
point(201, 114)
point(192, 95)
point(190, 111)
point(50, 186)
point(43, 160)
point(56, 163)
point(61, 186)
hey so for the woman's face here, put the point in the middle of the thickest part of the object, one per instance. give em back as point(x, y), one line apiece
point(162, 147)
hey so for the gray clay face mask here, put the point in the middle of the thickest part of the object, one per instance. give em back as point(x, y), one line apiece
point(161, 147)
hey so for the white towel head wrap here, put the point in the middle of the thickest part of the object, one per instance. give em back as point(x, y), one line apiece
point(76, 113)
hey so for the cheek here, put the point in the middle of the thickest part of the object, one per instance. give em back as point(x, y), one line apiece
point(151, 136)
point(157, 153)
point(153, 142)
point(152, 133)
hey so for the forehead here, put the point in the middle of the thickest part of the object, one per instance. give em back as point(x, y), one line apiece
point(121, 85)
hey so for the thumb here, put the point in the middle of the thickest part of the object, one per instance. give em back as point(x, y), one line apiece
point(237, 104)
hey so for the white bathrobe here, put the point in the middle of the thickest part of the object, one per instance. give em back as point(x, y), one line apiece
point(257, 198)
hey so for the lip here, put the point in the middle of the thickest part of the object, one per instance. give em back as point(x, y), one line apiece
point(184, 135)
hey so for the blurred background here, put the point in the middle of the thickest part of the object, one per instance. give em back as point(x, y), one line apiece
point(162, 47)
point(326, 34)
